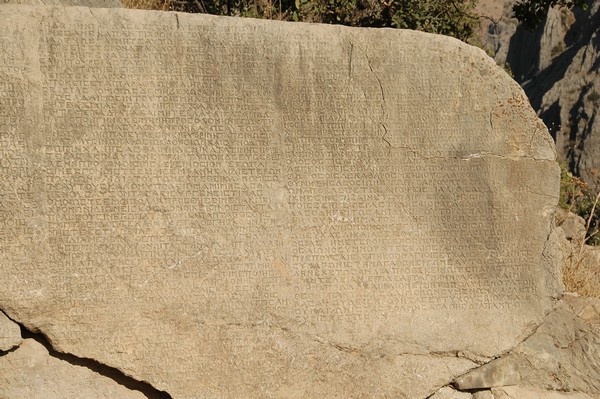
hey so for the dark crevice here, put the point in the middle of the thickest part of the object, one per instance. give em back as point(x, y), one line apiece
point(110, 372)
point(14, 348)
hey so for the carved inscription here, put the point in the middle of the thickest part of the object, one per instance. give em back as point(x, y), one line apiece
point(243, 208)
point(284, 200)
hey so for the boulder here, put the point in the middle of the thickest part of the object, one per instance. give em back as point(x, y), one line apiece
point(236, 208)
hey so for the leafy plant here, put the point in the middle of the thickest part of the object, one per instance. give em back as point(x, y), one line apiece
point(448, 17)
point(532, 12)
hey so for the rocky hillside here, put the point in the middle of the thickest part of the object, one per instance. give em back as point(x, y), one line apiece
point(558, 65)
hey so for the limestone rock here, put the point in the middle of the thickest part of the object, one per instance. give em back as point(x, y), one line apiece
point(497, 373)
point(449, 393)
point(519, 392)
point(564, 353)
point(242, 208)
point(30, 373)
point(10, 333)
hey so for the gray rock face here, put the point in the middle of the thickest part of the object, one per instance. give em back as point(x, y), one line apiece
point(567, 95)
point(564, 353)
point(241, 208)
point(558, 65)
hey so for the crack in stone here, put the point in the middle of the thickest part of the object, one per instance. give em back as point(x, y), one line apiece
point(381, 89)
point(365, 350)
point(519, 342)
point(475, 155)
point(93, 365)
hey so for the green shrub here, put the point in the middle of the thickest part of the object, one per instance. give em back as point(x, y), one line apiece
point(448, 17)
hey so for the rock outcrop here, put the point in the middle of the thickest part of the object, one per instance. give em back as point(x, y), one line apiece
point(558, 66)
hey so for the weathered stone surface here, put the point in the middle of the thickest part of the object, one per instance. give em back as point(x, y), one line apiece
point(497, 373)
point(10, 333)
point(449, 393)
point(520, 392)
point(587, 309)
point(30, 373)
point(241, 208)
point(564, 353)
point(572, 225)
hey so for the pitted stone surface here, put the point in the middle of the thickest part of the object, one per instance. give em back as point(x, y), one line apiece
point(10, 333)
point(242, 208)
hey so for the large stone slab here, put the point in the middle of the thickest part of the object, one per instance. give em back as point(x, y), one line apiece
point(242, 208)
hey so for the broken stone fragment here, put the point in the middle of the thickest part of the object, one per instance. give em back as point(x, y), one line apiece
point(564, 352)
point(497, 373)
point(10, 333)
point(30, 372)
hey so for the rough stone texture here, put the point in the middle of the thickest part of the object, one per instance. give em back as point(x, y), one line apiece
point(10, 333)
point(483, 395)
point(564, 353)
point(449, 393)
point(571, 224)
point(242, 208)
point(31, 373)
point(519, 392)
point(494, 374)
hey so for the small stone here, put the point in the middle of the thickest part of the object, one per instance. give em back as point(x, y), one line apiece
point(497, 373)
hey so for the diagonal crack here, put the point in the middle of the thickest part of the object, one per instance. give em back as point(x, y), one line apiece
point(110, 372)
point(384, 115)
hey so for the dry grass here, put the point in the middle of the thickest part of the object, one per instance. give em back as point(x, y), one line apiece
point(581, 272)
point(160, 5)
